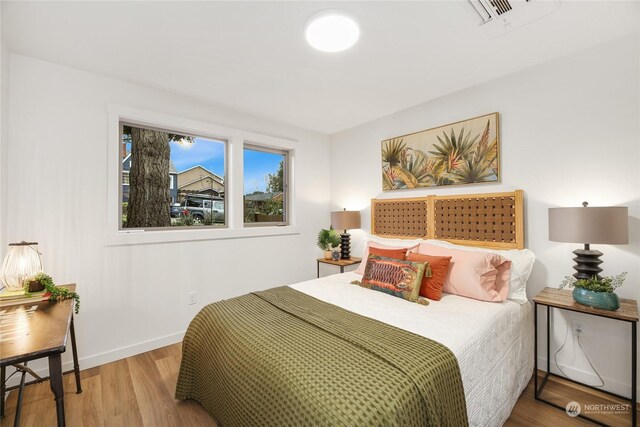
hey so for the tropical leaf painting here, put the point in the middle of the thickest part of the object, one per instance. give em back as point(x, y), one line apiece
point(464, 152)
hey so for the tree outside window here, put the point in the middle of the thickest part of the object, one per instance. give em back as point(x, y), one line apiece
point(163, 173)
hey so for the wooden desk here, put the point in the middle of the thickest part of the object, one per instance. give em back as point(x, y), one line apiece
point(34, 331)
point(562, 299)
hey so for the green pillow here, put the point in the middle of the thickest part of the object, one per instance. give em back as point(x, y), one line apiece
point(401, 279)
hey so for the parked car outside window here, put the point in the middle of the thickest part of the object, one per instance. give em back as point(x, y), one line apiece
point(203, 210)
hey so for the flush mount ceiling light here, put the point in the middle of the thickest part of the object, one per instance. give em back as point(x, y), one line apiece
point(332, 31)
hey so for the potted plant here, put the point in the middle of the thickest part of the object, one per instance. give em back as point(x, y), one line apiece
point(42, 281)
point(597, 292)
point(328, 240)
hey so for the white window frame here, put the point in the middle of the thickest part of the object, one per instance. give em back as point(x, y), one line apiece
point(236, 139)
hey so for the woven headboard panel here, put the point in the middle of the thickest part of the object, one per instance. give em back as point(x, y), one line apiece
point(399, 218)
point(492, 220)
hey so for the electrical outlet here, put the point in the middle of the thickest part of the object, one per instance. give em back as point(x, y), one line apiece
point(578, 326)
point(193, 298)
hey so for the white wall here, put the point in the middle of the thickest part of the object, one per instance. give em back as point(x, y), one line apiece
point(4, 131)
point(135, 297)
point(569, 132)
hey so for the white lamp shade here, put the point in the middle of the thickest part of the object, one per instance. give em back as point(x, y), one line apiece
point(21, 262)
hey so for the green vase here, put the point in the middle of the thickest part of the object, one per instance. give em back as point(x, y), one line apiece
point(602, 300)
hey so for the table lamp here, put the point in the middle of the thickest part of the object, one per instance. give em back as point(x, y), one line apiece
point(21, 262)
point(345, 220)
point(607, 225)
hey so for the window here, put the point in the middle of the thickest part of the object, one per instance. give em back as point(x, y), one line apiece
point(171, 179)
point(265, 186)
point(211, 157)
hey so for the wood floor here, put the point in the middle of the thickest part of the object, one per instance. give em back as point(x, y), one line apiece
point(530, 412)
point(138, 391)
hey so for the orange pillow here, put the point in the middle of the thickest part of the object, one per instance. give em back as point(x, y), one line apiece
point(432, 286)
point(399, 253)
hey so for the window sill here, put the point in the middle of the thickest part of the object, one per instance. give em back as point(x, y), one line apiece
point(142, 237)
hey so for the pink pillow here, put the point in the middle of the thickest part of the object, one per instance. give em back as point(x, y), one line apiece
point(365, 255)
point(481, 275)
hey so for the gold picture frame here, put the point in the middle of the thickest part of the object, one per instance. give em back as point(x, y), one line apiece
point(459, 153)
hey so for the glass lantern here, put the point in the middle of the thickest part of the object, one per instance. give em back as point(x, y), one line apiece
point(21, 262)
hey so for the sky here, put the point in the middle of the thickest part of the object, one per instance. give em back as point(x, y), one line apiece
point(210, 154)
point(257, 165)
point(207, 153)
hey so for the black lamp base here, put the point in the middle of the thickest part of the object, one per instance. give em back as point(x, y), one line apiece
point(345, 245)
point(587, 263)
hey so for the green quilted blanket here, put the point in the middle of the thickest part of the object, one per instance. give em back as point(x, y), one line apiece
point(282, 358)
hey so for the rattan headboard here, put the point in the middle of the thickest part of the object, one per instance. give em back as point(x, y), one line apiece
point(492, 220)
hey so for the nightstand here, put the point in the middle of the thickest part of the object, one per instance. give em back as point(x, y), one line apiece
point(342, 263)
point(34, 331)
point(561, 299)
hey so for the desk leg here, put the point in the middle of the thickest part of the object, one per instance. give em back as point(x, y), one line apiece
point(342, 269)
point(23, 376)
point(634, 373)
point(76, 366)
point(318, 268)
point(55, 380)
point(3, 374)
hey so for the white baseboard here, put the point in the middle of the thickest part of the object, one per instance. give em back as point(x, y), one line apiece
point(610, 384)
point(105, 357)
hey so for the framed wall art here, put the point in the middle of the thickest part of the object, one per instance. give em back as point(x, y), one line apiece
point(464, 152)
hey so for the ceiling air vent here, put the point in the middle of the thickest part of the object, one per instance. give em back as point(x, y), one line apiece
point(501, 6)
point(501, 16)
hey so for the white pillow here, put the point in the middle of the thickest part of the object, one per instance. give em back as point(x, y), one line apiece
point(521, 265)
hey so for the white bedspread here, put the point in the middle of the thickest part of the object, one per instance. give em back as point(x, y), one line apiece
point(493, 342)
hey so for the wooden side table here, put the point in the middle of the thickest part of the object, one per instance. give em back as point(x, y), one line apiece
point(561, 299)
point(342, 263)
point(39, 330)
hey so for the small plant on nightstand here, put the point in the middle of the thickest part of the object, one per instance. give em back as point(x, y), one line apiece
point(597, 292)
point(328, 240)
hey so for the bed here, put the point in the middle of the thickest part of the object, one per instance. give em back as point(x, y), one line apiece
point(328, 352)
point(493, 342)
